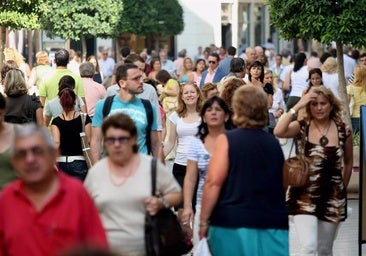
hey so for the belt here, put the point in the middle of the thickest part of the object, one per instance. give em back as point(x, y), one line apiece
point(69, 159)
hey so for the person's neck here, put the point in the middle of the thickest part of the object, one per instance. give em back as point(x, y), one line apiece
point(322, 122)
point(191, 109)
point(214, 132)
point(126, 96)
point(61, 67)
point(41, 192)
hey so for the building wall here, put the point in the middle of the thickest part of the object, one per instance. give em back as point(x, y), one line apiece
point(202, 25)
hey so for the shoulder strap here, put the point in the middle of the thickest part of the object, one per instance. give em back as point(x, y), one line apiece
point(153, 176)
point(107, 105)
point(83, 120)
point(149, 115)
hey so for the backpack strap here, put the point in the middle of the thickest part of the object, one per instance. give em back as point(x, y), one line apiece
point(149, 115)
point(107, 105)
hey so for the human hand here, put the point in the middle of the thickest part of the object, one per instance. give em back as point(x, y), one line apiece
point(187, 216)
point(305, 99)
point(153, 205)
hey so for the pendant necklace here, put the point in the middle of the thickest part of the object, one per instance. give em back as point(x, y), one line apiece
point(323, 141)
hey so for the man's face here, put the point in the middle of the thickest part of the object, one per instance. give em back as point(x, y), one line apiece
point(33, 159)
point(133, 83)
point(212, 62)
point(363, 61)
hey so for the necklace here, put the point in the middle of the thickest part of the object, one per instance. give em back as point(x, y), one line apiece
point(323, 141)
point(115, 173)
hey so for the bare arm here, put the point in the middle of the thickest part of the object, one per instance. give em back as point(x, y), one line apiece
point(285, 128)
point(347, 160)
point(42, 100)
point(287, 83)
point(95, 143)
point(155, 143)
point(190, 181)
point(88, 130)
point(171, 140)
point(46, 120)
point(216, 176)
point(56, 135)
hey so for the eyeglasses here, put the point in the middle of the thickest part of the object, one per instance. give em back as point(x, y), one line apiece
point(121, 140)
point(211, 62)
point(137, 78)
point(22, 154)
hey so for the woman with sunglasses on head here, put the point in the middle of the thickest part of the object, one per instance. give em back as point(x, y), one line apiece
point(216, 119)
point(120, 185)
point(66, 129)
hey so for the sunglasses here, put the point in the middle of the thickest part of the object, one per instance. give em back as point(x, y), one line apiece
point(212, 62)
point(112, 140)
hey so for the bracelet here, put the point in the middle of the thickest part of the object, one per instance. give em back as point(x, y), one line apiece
point(292, 111)
point(203, 224)
point(165, 203)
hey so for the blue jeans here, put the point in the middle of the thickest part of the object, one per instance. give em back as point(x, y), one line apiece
point(77, 168)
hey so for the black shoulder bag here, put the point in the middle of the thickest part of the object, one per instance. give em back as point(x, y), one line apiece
point(163, 233)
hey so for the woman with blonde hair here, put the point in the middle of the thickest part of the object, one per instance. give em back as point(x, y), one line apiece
point(357, 90)
point(326, 141)
point(21, 107)
point(187, 74)
point(43, 68)
point(183, 126)
point(330, 75)
point(13, 54)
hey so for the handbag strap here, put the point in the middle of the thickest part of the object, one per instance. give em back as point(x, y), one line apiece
point(153, 176)
point(292, 145)
point(83, 120)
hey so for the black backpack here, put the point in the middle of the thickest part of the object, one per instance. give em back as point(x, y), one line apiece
point(149, 113)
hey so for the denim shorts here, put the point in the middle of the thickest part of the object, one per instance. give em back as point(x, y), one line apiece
point(77, 168)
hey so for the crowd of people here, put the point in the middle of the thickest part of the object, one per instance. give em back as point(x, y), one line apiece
point(218, 116)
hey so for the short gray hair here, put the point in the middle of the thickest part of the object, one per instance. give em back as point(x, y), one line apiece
point(27, 130)
point(87, 69)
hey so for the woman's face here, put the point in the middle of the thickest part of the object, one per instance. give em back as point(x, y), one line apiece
point(268, 78)
point(93, 61)
point(201, 66)
point(157, 66)
point(215, 116)
point(188, 65)
point(316, 79)
point(119, 144)
point(320, 108)
point(189, 95)
point(255, 72)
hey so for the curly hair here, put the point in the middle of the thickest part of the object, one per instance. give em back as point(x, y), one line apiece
point(230, 86)
point(250, 107)
point(182, 108)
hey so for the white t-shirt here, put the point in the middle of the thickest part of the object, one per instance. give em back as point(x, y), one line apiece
point(299, 81)
point(185, 133)
point(331, 82)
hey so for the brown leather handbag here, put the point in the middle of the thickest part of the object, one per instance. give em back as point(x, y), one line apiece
point(296, 169)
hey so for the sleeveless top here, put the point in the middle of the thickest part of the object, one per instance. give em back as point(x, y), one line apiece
point(252, 195)
point(325, 195)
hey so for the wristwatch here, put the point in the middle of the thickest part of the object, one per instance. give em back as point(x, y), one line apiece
point(292, 111)
point(165, 203)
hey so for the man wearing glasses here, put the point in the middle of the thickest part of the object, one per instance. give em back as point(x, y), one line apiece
point(44, 212)
point(129, 78)
point(214, 73)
